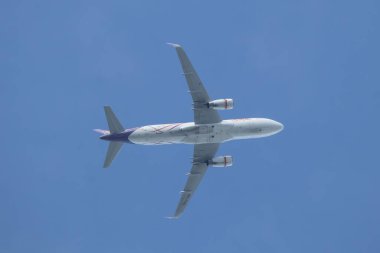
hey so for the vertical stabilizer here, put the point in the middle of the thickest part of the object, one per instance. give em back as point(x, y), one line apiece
point(113, 123)
point(113, 149)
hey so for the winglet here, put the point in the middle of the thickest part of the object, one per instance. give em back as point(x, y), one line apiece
point(172, 217)
point(173, 45)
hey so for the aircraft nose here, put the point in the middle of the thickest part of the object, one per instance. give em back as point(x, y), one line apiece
point(278, 126)
point(275, 127)
point(270, 127)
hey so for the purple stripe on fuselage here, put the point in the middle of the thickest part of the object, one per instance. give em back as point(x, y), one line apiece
point(122, 137)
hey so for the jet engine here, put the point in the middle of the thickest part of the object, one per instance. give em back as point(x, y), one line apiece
point(221, 161)
point(221, 104)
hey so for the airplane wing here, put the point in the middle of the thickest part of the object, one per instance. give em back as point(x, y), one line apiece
point(202, 114)
point(202, 154)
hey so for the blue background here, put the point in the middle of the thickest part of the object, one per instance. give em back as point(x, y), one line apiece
point(312, 65)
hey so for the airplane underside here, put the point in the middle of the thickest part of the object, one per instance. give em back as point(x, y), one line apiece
point(189, 133)
point(206, 133)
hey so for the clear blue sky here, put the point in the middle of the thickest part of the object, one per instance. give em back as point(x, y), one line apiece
point(312, 65)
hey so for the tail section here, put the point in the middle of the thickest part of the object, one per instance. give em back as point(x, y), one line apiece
point(113, 149)
point(113, 123)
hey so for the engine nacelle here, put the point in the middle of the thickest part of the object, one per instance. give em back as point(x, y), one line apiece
point(221, 161)
point(221, 104)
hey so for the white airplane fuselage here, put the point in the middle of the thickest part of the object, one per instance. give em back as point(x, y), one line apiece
point(190, 133)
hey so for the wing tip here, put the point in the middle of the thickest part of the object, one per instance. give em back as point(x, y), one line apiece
point(173, 45)
point(172, 217)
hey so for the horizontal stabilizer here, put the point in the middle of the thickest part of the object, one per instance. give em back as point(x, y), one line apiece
point(113, 123)
point(113, 149)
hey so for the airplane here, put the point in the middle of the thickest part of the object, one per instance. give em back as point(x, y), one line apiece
point(206, 133)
